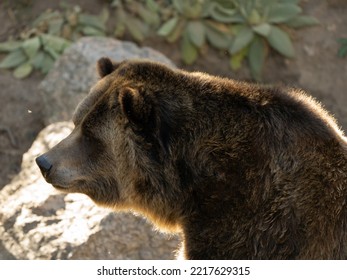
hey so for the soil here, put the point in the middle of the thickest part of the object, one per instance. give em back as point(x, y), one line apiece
point(316, 68)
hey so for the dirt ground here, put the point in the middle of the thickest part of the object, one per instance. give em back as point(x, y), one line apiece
point(316, 68)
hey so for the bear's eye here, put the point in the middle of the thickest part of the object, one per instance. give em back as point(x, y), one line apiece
point(88, 137)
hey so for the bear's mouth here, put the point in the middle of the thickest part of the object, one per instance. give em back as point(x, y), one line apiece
point(74, 186)
point(67, 189)
point(61, 188)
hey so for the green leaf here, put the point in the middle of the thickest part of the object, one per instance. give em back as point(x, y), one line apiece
point(193, 9)
point(226, 3)
point(216, 38)
point(189, 51)
point(56, 43)
point(55, 26)
point(262, 29)
point(242, 39)
point(237, 18)
point(343, 48)
point(37, 60)
point(179, 5)
point(116, 3)
point(281, 42)
point(256, 57)
point(89, 20)
point(10, 46)
point(342, 51)
point(152, 5)
point(135, 28)
point(120, 26)
point(177, 32)
point(168, 27)
point(31, 46)
point(149, 17)
point(254, 17)
point(207, 7)
point(196, 33)
point(47, 17)
point(237, 59)
point(302, 21)
point(23, 70)
point(47, 63)
point(222, 14)
point(119, 30)
point(104, 15)
point(283, 12)
point(13, 59)
point(91, 31)
point(342, 40)
point(51, 52)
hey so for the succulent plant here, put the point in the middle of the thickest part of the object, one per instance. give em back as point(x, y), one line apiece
point(136, 17)
point(72, 23)
point(260, 24)
point(38, 52)
point(192, 23)
point(50, 34)
point(245, 28)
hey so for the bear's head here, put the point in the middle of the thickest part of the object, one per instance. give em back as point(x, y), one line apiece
point(122, 137)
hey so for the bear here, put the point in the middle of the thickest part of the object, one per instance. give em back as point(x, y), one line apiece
point(240, 170)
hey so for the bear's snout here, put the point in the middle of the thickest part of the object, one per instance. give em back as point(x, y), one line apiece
point(44, 165)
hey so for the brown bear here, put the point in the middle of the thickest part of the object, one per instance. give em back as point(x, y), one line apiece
point(243, 171)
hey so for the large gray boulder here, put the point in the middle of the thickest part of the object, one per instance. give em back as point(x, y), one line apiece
point(36, 221)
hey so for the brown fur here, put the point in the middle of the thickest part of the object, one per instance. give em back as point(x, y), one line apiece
point(243, 171)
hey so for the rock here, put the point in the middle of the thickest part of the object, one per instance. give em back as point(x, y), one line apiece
point(75, 72)
point(36, 221)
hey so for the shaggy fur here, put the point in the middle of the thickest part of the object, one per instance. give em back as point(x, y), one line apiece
point(242, 171)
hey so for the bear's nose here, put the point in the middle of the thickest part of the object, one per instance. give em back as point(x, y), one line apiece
point(44, 164)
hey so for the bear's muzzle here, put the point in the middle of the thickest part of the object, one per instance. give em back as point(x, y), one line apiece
point(44, 165)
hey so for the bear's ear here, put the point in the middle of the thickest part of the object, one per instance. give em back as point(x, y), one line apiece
point(134, 106)
point(106, 66)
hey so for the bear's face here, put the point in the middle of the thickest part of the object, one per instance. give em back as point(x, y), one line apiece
point(102, 156)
